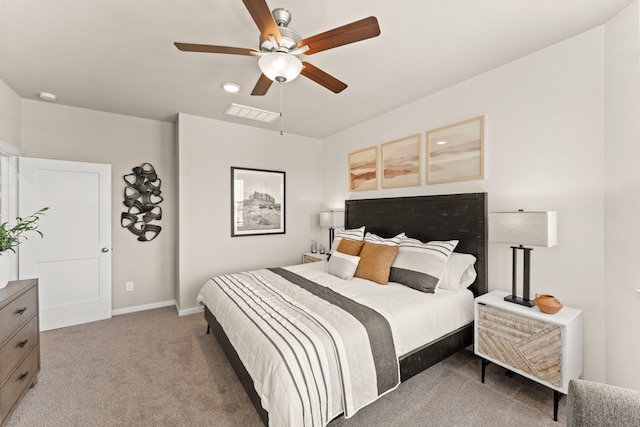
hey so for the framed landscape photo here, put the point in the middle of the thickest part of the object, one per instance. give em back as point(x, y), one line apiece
point(257, 202)
point(402, 162)
point(363, 169)
point(456, 152)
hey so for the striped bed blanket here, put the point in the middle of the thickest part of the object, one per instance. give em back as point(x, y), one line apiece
point(312, 353)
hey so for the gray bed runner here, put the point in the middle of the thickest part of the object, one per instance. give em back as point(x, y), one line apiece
point(377, 327)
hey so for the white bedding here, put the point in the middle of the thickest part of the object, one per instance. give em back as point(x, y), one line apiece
point(414, 318)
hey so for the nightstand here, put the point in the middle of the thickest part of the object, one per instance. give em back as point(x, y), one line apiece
point(546, 348)
point(308, 257)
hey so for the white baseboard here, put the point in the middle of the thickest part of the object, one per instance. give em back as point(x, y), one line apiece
point(189, 311)
point(143, 307)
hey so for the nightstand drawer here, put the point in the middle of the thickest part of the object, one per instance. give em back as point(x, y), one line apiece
point(17, 347)
point(308, 257)
point(527, 344)
point(17, 313)
point(19, 380)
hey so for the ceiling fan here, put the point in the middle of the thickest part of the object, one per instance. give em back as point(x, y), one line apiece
point(282, 48)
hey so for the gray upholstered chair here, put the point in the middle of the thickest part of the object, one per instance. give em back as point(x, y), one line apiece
point(596, 404)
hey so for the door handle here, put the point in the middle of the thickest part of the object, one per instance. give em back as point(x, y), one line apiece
point(105, 250)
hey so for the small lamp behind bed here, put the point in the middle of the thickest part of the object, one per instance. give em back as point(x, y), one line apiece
point(331, 219)
point(523, 228)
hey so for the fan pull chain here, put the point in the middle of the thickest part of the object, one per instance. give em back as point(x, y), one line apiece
point(281, 120)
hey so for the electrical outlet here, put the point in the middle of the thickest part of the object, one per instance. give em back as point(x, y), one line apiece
point(129, 286)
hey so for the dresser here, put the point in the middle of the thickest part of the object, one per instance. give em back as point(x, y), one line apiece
point(546, 348)
point(19, 343)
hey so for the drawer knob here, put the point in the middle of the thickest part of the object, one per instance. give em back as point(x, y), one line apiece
point(23, 376)
point(23, 343)
point(19, 312)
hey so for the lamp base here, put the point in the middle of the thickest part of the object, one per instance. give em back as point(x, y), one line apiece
point(519, 300)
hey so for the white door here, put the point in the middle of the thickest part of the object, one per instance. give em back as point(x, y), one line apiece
point(73, 260)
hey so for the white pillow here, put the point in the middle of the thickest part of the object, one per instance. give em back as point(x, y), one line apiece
point(353, 234)
point(459, 272)
point(421, 265)
point(343, 265)
point(392, 241)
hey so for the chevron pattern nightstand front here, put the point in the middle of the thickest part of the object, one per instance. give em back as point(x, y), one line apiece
point(523, 343)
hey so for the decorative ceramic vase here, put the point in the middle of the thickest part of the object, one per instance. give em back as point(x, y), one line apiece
point(547, 303)
point(6, 268)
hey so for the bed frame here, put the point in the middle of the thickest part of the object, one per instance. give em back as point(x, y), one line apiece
point(443, 217)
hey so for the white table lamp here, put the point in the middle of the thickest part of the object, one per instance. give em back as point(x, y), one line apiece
point(523, 228)
point(333, 220)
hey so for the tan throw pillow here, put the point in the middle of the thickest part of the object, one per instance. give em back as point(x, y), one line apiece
point(350, 247)
point(375, 262)
point(352, 234)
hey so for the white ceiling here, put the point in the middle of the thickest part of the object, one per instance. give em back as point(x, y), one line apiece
point(118, 55)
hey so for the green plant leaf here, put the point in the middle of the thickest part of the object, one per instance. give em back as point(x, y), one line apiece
point(12, 236)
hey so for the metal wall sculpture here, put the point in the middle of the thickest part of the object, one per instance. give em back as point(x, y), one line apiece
point(142, 199)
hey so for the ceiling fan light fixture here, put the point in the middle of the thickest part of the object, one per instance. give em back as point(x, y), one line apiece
point(280, 67)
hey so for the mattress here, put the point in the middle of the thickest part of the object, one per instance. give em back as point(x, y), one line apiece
point(416, 318)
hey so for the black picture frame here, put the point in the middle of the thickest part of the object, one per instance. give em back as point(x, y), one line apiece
point(257, 202)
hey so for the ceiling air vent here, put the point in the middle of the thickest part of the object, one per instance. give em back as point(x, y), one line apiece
point(251, 113)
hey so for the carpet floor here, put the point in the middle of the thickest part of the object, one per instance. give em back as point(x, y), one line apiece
point(154, 368)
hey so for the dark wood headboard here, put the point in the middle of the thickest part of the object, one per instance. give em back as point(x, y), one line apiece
point(460, 217)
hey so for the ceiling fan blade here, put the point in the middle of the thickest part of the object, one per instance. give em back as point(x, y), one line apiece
point(262, 86)
point(317, 75)
point(259, 11)
point(350, 33)
point(206, 48)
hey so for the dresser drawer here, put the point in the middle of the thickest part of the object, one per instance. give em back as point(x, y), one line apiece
point(527, 344)
point(17, 347)
point(17, 313)
point(18, 381)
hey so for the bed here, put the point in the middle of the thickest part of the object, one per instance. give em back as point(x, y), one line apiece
point(427, 218)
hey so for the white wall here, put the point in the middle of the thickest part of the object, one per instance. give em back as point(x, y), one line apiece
point(622, 197)
point(207, 151)
point(544, 137)
point(10, 116)
point(60, 132)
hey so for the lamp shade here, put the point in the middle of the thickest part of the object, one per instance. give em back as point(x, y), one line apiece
point(332, 219)
point(524, 228)
point(280, 67)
